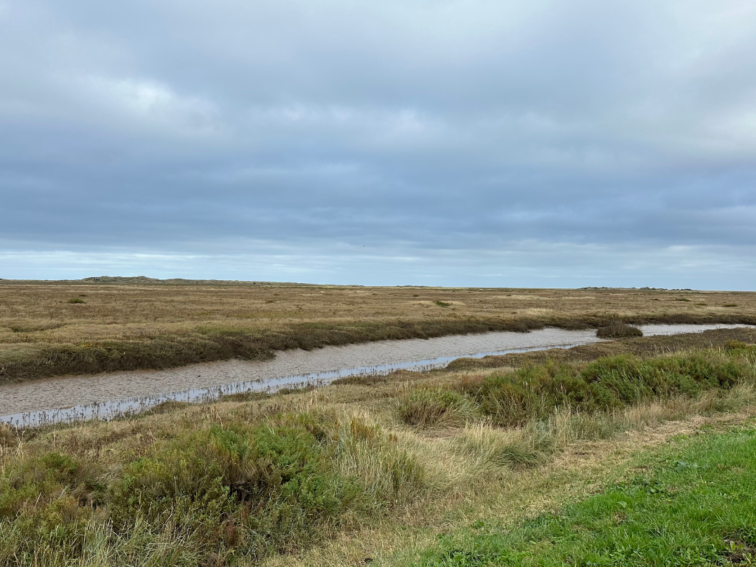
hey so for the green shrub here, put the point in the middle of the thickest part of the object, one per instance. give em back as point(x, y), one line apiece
point(612, 382)
point(211, 495)
point(47, 502)
point(76, 300)
point(267, 487)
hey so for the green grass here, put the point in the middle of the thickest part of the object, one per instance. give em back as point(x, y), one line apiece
point(696, 506)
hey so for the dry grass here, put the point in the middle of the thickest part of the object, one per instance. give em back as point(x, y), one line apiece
point(129, 326)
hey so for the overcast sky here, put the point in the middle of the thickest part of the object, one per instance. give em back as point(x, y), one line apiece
point(431, 142)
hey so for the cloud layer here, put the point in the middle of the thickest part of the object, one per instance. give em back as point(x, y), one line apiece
point(449, 142)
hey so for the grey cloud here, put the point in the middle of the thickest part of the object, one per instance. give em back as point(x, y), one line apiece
point(440, 131)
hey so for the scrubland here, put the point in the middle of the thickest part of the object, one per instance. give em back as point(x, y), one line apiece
point(49, 328)
point(612, 454)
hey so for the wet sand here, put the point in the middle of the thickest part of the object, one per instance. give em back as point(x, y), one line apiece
point(199, 381)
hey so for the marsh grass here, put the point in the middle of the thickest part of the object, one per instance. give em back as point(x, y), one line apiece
point(247, 480)
point(128, 327)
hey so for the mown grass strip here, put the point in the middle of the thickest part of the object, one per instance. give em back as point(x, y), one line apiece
point(697, 506)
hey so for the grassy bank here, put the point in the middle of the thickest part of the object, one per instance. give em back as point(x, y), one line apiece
point(69, 328)
point(694, 505)
point(345, 473)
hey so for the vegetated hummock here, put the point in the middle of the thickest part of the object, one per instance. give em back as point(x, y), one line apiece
point(618, 330)
point(109, 324)
point(440, 468)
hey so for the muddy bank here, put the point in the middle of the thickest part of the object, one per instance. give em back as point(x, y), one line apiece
point(109, 394)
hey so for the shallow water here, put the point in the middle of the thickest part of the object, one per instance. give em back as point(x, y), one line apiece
point(110, 395)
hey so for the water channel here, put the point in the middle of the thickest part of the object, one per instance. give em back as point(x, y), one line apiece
point(105, 396)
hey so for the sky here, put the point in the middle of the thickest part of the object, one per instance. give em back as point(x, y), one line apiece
point(501, 143)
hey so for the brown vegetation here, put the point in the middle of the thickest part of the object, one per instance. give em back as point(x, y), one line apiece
point(125, 326)
point(618, 330)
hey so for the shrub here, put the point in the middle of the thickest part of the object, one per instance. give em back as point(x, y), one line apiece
point(46, 503)
point(268, 487)
point(76, 300)
point(209, 496)
point(618, 331)
point(612, 382)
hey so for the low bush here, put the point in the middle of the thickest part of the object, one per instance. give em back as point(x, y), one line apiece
point(608, 383)
point(47, 502)
point(267, 487)
point(213, 495)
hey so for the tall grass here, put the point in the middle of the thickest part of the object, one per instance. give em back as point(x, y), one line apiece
point(435, 407)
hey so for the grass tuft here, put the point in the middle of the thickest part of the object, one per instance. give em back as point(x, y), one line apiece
point(435, 408)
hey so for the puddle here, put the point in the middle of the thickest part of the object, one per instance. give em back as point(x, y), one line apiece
point(105, 396)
